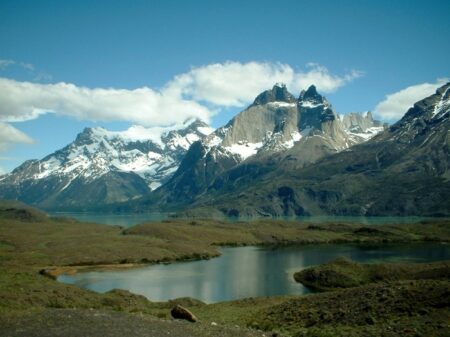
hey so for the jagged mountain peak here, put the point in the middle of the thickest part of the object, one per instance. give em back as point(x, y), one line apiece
point(278, 125)
point(192, 126)
point(85, 136)
point(361, 126)
point(311, 97)
point(278, 93)
point(358, 120)
point(437, 103)
point(444, 90)
point(271, 119)
point(195, 124)
point(314, 109)
point(310, 94)
point(424, 112)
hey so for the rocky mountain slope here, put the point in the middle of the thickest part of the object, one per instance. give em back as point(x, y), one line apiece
point(102, 167)
point(276, 130)
point(404, 170)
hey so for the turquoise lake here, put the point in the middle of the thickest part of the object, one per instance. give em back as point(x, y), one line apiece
point(127, 220)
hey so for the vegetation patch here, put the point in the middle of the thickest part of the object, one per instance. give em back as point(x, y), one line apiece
point(344, 273)
point(403, 308)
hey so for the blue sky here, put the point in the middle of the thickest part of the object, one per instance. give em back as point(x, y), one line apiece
point(203, 59)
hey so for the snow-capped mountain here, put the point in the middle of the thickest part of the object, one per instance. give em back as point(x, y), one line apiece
point(275, 125)
point(361, 126)
point(121, 164)
point(276, 121)
point(404, 170)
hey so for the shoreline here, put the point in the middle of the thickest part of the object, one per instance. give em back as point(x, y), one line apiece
point(54, 272)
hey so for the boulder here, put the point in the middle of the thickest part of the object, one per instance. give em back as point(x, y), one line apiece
point(180, 312)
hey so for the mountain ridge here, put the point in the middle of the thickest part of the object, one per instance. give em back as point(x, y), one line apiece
point(404, 170)
point(104, 166)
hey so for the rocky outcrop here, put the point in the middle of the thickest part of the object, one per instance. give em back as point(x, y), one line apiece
point(179, 312)
point(278, 93)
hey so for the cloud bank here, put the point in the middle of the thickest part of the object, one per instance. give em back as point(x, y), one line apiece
point(7, 63)
point(234, 84)
point(395, 105)
point(10, 135)
point(21, 101)
point(199, 93)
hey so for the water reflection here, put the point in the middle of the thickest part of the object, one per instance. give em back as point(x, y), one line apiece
point(245, 271)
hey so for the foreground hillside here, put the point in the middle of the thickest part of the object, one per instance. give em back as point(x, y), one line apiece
point(35, 248)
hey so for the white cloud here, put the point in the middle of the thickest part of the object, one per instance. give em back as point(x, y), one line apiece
point(42, 76)
point(322, 79)
point(237, 84)
point(199, 93)
point(20, 101)
point(27, 66)
point(10, 135)
point(395, 105)
point(6, 63)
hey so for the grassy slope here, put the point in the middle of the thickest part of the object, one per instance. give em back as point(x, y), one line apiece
point(404, 308)
point(344, 273)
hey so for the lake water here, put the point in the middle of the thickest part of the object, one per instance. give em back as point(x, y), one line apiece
point(246, 271)
point(127, 220)
point(124, 220)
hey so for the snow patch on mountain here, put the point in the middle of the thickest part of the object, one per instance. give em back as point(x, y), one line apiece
point(361, 127)
point(205, 130)
point(295, 137)
point(310, 104)
point(244, 149)
point(277, 104)
point(443, 104)
point(368, 134)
